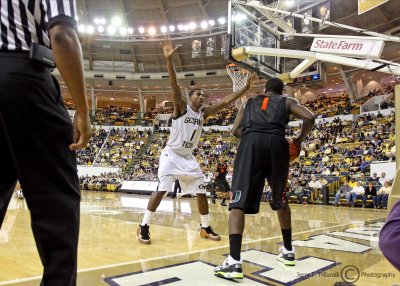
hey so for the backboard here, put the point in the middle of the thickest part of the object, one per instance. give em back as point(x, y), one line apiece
point(255, 29)
point(248, 28)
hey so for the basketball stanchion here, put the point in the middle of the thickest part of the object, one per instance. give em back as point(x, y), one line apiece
point(285, 77)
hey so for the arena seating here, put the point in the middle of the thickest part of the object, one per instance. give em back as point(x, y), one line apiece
point(88, 155)
point(332, 152)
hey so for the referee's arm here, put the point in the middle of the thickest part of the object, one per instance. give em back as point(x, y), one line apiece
point(68, 57)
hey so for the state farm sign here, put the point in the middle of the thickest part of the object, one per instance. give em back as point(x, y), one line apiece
point(348, 47)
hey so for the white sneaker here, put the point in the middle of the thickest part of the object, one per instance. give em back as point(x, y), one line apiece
point(230, 269)
point(20, 194)
point(287, 257)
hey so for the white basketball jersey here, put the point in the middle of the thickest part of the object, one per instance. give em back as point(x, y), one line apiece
point(186, 131)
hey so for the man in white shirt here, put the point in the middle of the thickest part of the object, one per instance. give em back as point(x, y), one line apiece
point(383, 195)
point(316, 188)
point(383, 178)
point(356, 193)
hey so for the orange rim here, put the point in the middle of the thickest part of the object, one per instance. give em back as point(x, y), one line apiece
point(242, 70)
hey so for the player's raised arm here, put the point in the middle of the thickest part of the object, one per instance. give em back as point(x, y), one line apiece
point(237, 126)
point(177, 100)
point(301, 112)
point(210, 110)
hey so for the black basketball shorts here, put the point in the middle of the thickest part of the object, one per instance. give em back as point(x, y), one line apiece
point(223, 185)
point(260, 156)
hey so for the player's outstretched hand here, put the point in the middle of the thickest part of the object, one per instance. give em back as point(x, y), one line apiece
point(168, 49)
point(251, 81)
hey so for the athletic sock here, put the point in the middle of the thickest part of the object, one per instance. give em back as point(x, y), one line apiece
point(235, 243)
point(231, 260)
point(287, 238)
point(205, 221)
point(148, 215)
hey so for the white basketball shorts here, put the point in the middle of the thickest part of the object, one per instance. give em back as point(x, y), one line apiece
point(184, 168)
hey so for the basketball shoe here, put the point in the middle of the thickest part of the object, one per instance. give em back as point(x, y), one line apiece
point(230, 269)
point(207, 232)
point(20, 194)
point(143, 234)
point(287, 257)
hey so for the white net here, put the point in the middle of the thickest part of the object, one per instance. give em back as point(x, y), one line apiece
point(238, 75)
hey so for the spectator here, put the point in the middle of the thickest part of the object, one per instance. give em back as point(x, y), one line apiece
point(357, 193)
point(374, 177)
point(316, 188)
point(370, 194)
point(344, 191)
point(383, 178)
point(383, 195)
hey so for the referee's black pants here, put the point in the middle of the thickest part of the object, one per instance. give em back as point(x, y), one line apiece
point(35, 132)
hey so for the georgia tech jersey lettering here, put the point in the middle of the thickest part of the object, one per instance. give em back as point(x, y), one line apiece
point(186, 131)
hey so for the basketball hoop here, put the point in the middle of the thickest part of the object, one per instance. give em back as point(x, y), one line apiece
point(238, 75)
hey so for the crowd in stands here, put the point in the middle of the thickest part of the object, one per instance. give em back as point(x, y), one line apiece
point(327, 106)
point(389, 103)
point(342, 149)
point(104, 182)
point(87, 155)
point(115, 116)
point(374, 190)
point(223, 118)
point(115, 148)
point(387, 89)
point(324, 106)
point(334, 150)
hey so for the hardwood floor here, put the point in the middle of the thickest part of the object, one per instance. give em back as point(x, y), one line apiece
point(328, 241)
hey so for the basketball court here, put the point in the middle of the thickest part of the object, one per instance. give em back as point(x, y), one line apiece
point(334, 246)
point(328, 241)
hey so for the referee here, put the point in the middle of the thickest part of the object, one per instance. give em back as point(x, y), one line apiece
point(37, 139)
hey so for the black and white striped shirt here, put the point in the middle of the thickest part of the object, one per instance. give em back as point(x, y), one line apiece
point(25, 21)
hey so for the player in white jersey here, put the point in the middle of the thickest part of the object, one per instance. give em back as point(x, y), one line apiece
point(177, 160)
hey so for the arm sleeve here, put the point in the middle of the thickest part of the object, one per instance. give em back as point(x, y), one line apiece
point(61, 11)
